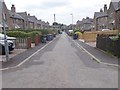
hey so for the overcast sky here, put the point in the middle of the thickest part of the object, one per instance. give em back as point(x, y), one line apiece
point(45, 9)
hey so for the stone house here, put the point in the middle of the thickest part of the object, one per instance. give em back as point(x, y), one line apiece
point(34, 19)
point(111, 14)
point(26, 20)
point(87, 24)
point(30, 22)
point(101, 19)
point(4, 14)
point(117, 18)
point(39, 24)
point(44, 25)
point(79, 25)
point(16, 21)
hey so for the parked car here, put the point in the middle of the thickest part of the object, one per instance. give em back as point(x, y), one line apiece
point(11, 44)
point(43, 38)
point(75, 36)
point(49, 37)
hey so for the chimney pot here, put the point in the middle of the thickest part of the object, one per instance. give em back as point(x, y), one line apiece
point(105, 8)
point(13, 9)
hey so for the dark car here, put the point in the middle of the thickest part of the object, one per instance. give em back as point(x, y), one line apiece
point(49, 37)
point(44, 38)
point(75, 36)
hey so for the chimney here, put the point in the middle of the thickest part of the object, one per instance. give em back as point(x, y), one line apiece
point(101, 10)
point(87, 17)
point(28, 14)
point(13, 8)
point(105, 8)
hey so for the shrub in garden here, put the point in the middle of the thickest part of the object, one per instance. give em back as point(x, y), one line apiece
point(18, 34)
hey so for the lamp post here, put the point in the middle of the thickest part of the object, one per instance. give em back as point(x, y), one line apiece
point(5, 37)
point(72, 20)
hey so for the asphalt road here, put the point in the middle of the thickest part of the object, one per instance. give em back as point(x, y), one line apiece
point(61, 65)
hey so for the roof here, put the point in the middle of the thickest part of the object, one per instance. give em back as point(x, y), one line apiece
point(115, 5)
point(30, 20)
point(79, 22)
point(15, 15)
point(118, 6)
point(100, 14)
point(33, 18)
point(87, 20)
point(23, 15)
point(39, 21)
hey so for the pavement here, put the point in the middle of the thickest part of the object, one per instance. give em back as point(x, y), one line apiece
point(101, 55)
point(12, 54)
point(60, 64)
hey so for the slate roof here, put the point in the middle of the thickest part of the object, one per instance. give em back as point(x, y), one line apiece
point(100, 14)
point(115, 5)
point(15, 15)
point(33, 19)
point(23, 15)
point(39, 21)
point(87, 20)
point(79, 22)
point(30, 20)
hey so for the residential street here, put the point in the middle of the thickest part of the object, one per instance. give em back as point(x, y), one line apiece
point(61, 64)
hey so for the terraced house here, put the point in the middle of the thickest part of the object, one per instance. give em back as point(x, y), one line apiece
point(114, 5)
point(117, 19)
point(101, 19)
point(19, 20)
point(16, 21)
point(85, 25)
point(4, 11)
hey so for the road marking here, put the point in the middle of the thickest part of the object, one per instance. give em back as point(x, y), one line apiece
point(28, 58)
point(93, 57)
point(108, 64)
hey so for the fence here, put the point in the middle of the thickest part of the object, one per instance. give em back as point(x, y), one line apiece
point(91, 36)
point(23, 43)
point(105, 43)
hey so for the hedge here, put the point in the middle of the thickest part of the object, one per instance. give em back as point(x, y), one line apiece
point(22, 34)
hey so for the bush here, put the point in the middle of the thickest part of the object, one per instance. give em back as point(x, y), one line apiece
point(33, 34)
point(114, 38)
point(22, 34)
point(18, 34)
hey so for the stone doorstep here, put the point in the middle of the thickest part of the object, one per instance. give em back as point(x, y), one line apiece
point(13, 54)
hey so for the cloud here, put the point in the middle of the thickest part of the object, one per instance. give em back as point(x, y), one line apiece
point(44, 9)
point(47, 5)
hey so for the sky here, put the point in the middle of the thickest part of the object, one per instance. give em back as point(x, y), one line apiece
point(45, 9)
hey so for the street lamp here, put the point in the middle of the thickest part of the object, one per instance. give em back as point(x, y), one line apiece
point(72, 20)
point(5, 37)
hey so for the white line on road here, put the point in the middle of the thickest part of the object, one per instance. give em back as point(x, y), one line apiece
point(28, 58)
point(94, 58)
